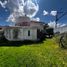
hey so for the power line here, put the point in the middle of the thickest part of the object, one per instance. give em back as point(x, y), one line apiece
point(59, 15)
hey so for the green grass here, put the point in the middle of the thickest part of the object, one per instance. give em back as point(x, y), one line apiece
point(46, 54)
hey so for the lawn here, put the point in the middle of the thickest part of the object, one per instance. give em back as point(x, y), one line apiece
point(45, 54)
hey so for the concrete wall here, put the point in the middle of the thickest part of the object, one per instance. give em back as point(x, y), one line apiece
point(38, 25)
point(22, 34)
point(8, 34)
point(61, 29)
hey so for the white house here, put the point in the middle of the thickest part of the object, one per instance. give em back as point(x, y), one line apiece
point(24, 29)
point(61, 29)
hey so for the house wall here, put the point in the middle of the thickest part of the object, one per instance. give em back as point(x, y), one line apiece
point(8, 34)
point(38, 25)
point(22, 34)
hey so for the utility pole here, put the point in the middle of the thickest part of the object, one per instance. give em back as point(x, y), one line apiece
point(59, 15)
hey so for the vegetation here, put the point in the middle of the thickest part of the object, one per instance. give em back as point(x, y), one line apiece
point(62, 39)
point(43, 54)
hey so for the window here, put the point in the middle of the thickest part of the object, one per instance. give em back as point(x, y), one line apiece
point(28, 32)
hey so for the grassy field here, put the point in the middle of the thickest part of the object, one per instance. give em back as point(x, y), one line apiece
point(45, 54)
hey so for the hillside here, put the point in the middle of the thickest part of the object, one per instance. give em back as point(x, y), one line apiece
point(45, 54)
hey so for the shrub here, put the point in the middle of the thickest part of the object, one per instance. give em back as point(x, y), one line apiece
point(63, 40)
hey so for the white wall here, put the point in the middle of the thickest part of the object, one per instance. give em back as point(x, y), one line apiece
point(24, 34)
point(61, 29)
point(8, 34)
point(38, 25)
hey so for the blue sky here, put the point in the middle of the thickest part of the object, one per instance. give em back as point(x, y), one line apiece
point(47, 5)
point(50, 5)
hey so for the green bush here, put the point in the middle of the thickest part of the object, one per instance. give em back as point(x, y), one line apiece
point(62, 39)
point(57, 38)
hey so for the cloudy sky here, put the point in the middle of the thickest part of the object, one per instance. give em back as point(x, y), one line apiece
point(44, 10)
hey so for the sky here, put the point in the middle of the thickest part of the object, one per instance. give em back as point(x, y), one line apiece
point(44, 5)
point(55, 5)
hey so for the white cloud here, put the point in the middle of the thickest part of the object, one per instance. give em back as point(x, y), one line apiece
point(30, 9)
point(53, 13)
point(22, 7)
point(62, 25)
point(28, 6)
point(3, 3)
point(11, 18)
point(35, 19)
point(53, 24)
point(45, 12)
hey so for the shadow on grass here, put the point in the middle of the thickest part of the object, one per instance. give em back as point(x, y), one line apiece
point(18, 43)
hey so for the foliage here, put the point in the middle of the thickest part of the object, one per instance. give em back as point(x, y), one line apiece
point(63, 40)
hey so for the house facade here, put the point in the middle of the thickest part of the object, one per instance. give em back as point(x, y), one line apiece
point(24, 29)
